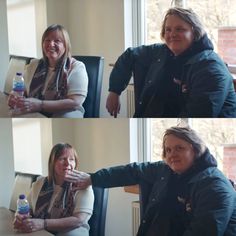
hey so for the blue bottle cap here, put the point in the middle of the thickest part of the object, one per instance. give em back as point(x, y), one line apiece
point(19, 73)
point(22, 196)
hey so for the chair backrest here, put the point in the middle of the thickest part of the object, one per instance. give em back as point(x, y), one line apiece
point(22, 185)
point(94, 66)
point(16, 64)
point(98, 219)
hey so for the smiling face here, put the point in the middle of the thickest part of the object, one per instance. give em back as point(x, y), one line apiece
point(54, 46)
point(178, 34)
point(179, 154)
point(64, 163)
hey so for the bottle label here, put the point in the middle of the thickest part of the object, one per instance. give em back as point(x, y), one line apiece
point(23, 209)
point(18, 86)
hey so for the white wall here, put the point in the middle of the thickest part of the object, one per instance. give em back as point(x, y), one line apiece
point(4, 52)
point(96, 27)
point(57, 12)
point(7, 162)
point(104, 143)
point(101, 143)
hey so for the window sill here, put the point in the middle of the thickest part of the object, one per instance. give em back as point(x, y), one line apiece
point(132, 189)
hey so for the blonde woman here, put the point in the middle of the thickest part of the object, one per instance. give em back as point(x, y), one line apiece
point(56, 85)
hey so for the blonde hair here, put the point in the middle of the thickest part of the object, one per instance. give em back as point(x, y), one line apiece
point(66, 38)
point(190, 17)
point(187, 134)
point(56, 152)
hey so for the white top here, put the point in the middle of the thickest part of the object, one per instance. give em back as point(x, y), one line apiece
point(77, 81)
point(83, 201)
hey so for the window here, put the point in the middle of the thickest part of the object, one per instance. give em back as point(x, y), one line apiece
point(218, 17)
point(27, 20)
point(218, 134)
point(21, 27)
point(32, 141)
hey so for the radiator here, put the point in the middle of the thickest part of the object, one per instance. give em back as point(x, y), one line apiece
point(130, 100)
point(135, 217)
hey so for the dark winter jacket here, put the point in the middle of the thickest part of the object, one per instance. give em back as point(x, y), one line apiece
point(205, 88)
point(202, 202)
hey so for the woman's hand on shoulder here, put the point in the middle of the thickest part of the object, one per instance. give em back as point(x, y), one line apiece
point(113, 104)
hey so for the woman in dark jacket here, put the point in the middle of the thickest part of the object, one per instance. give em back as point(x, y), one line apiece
point(183, 195)
point(181, 78)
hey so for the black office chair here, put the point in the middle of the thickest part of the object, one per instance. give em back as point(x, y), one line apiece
point(94, 66)
point(98, 219)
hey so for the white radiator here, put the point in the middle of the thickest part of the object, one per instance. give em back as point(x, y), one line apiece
point(130, 100)
point(135, 216)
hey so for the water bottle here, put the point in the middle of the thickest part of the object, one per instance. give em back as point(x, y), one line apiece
point(18, 90)
point(23, 207)
point(18, 85)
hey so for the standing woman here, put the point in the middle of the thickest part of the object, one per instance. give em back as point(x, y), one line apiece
point(55, 205)
point(183, 77)
point(56, 85)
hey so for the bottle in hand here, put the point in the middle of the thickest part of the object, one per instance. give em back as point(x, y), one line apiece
point(18, 85)
point(23, 207)
point(18, 89)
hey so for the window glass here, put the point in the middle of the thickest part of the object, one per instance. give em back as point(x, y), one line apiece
point(21, 27)
point(218, 134)
point(27, 145)
point(218, 17)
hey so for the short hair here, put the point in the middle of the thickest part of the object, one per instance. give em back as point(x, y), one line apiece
point(187, 134)
point(56, 152)
point(190, 17)
point(65, 35)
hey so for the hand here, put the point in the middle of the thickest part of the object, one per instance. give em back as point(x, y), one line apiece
point(26, 224)
point(12, 100)
point(18, 221)
point(80, 180)
point(113, 104)
point(28, 105)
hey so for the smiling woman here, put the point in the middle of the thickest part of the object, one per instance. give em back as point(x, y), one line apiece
point(182, 77)
point(56, 85)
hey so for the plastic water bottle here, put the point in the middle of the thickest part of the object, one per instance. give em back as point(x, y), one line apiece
point(23, 207)
point(18, 85)
point(18, 90)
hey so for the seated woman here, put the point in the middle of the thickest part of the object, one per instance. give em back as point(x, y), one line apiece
point(183, 195)
point(56, 85)
point(183, 77)
point(55, 206)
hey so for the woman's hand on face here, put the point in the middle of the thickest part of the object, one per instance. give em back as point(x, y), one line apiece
point(80, 180)
point(113, 104)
